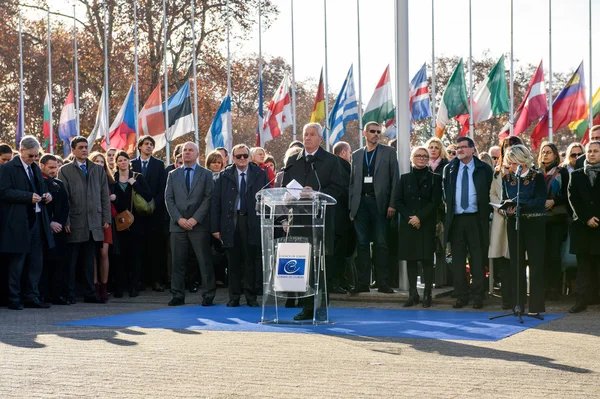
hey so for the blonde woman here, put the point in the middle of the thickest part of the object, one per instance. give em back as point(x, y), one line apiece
point(574, 151)
point(258, 156)
point(438, 158)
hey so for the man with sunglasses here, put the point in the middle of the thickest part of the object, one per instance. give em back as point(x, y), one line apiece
point(494, 152)
point(374, 183)
point(594, 136)
point(235, 223)
point(25, 228)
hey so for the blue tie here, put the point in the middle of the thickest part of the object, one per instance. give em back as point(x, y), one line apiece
point(144, 167)
point(243, 204)
point(30, 173)
point(464, 193)
point(188, 180)
point(84, 170)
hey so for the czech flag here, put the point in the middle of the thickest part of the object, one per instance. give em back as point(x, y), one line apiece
point(124, 124)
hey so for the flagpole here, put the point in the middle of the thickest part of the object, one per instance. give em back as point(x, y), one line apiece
point(470, 73)
point(75, 57)
point(326, 81)
point(591, 116)
point(360, 126)
point(550, 127)
point(106, 101)
point(50, 85)
point(166, 80)
point(260, 68)
point(512, 86)
point(229, 74)
point(196, 137)
point(293, 78)
point(137, 86)
point(22, 92)
point(433, 122)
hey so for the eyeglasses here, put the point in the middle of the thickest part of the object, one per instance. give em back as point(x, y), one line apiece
point(240, 156)
point(495, 158)
point(33, 156)
point(575, 154)
point(422, 156)
point(375, 131)
point(452, 153)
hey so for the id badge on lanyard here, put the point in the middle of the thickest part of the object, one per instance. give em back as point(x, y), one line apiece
point(368, 179)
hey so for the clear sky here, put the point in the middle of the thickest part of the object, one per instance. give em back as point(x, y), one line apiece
point(491, 32)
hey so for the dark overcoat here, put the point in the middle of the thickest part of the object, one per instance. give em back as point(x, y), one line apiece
point(585, 202)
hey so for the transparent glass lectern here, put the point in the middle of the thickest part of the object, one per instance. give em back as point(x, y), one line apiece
point(293, 232)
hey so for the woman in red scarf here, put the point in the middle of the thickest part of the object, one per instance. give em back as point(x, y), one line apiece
point(258, 156)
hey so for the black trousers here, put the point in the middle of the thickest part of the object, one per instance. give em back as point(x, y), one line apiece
point(412, 268)
point(466, 238)
point(588, 267)
point(154, 254)
point(27, 267)
point(53, 284)
point(502, 265)
point(241, 260)
point(129, 261)
point(556, 234)
point(531, 240)
point(83, 251)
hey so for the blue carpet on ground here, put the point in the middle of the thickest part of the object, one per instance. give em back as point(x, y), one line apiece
point(433, 324)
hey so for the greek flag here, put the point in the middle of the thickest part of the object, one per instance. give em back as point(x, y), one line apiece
point(344, 110)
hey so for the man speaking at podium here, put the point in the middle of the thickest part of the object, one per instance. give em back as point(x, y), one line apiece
point(315, 169)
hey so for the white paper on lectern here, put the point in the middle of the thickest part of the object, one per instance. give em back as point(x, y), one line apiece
point(294, 188)
point(292, 267)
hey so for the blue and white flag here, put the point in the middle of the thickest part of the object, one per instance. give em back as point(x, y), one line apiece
point(344, 110)
point(420, 107)
point(219, 134)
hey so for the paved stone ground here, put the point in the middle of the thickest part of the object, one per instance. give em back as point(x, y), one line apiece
point(559, 359)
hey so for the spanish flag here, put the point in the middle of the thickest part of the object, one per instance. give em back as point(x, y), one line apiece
point(318, 112)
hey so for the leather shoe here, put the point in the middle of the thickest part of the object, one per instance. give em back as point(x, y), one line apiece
point(578, 307)
point(15, 306)
point(304, 315)
point(92, 299)
point(386, 290)
point(357, 289)
point(207, 301)
point(60, 301)
point(177, 302)
point(460, 302)
point(37, 304)
point(253, 303)
point(336, 289)
point(477, 303)
point(71, 301)
point(133, 293)
point(234, 303)
point(158, 287)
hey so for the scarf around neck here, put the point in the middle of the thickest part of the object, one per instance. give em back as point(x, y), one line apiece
point(591, 171)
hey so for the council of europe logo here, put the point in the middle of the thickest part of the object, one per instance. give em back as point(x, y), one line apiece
point(292, 267)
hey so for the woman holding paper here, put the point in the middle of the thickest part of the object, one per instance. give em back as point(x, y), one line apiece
point(420, 194)
point(532, 226)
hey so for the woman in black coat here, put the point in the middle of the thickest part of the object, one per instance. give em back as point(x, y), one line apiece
point(584, 197)
point(129, 263)
point(420, 195)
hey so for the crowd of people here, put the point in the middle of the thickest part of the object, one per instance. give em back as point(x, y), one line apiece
point(120, 224)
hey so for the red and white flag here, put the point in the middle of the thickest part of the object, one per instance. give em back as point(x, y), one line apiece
point(279, 113)
point(151, 119)
point(533, 107)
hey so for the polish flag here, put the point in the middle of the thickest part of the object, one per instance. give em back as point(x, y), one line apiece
point(533, 107)
point(279, 113)
point(151, 120)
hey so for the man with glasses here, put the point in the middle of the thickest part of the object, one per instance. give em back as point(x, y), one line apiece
point(235, 223)
point(188, 197)
point(25, 227)
point(594, 136)
point(374, 183)
point(494, 152)
point(466, 183)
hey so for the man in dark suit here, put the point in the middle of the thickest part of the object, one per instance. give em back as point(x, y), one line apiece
point(53, 282)
point(466, 182)
point(235, 222)
point(6, 154)
point(155, 255)
point(373, 197)
point(188, 197)
point(25, 228)
point(594, 136)
point(316, 169)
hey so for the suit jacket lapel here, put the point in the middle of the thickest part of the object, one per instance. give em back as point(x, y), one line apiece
point(377, 160)
point(359, 164)
point(197, 173)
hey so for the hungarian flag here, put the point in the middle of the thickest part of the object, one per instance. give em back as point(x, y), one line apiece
point(569, 106)
point(490, 98)
point(318, 112)
point(454, 101)
point(533, 107)
point(279, 113)
point(380, 107)
point(581, 127)
point(47, 126)
point(151, 120)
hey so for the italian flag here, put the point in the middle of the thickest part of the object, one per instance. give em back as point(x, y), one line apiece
point(580, 127)
point(380, 107)
point(454, 101)
point(47, 128)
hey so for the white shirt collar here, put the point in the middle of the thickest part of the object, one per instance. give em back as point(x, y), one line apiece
point(242, 171)
point(311, 153)
point(24, 164)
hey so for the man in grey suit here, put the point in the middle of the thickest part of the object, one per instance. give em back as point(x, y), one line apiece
point(188, 197)
point(373, 191)
point(89, 215)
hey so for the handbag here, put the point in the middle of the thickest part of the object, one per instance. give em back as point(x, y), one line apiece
point(125, 219)
point(141, 205)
